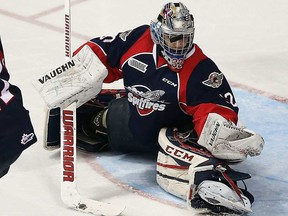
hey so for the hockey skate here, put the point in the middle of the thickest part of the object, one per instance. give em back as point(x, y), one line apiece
point(218, 198)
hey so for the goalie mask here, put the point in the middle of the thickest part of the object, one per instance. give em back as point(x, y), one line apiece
point(173, 30)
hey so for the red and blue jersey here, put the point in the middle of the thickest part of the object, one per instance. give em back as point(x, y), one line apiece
point(6, 95)
point(159, 97)
point(16, 130)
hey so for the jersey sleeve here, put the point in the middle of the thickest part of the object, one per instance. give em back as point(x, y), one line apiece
point(208, 91)
point(5, 95)
point(110, 50)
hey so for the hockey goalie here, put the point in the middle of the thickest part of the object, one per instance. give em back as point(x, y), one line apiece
point(176, 104)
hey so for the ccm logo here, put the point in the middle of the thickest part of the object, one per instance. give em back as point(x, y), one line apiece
point(169, 82)
point(178, 153)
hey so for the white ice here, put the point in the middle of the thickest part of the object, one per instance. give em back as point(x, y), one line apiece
point(247, 40)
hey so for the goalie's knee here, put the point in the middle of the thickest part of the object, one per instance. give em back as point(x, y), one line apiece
point(92, 135)
point(95, 126)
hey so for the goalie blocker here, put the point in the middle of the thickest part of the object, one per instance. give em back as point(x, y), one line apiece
point(192, 173)
point(78, 79)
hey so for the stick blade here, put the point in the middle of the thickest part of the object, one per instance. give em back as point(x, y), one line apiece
point(90, 206)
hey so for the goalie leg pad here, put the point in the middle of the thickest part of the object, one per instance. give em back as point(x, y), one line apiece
point(174, 159)
point(52, 133)
point(186, 171)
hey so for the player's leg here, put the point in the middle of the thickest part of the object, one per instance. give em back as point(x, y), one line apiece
point(112, 123)
point(52, 133)
point(120, 136)
point(91, 128)
point(86, 131)
point(85, 113)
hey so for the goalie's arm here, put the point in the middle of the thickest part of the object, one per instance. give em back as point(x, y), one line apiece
point(207, 91)
point(102, 50)
point(215, 115)
point(201, 112)
point(112, 49)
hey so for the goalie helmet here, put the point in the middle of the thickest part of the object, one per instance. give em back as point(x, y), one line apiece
point(173, 30)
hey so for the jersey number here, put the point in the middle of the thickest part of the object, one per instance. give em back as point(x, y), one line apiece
point(230, 99)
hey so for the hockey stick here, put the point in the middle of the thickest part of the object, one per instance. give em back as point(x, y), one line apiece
point(69, 193)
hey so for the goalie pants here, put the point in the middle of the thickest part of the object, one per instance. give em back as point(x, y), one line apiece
point(119, 134)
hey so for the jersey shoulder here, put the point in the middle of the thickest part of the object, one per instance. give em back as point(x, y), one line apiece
point(129, 38)
point(133, 34)
point(200, 66)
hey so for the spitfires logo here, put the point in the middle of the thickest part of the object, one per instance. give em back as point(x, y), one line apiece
point(214, 80)
point(145, 100)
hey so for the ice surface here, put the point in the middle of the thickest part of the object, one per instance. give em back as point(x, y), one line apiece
point(248, 41)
